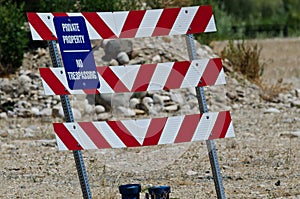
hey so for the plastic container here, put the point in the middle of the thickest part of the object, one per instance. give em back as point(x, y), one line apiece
point(130, 191)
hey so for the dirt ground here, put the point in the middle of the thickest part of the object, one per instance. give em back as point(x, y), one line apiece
point(262, 161)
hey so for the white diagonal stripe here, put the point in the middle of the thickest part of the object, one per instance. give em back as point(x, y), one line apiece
point(35, 35)
point(81, 137)
point(61, 146)
point(119, 20)
point(148, 23)
point(230, 131)
point(109, 135)
point(47, 89)
point(127, 74)
point(194, 73)
point(138, 128)
point(160, 76)
point(171, 130)
point(211, 26)
point(104, 86)
point(184, 20)
point(205, 126)
point(108, 18)
point(221, 78)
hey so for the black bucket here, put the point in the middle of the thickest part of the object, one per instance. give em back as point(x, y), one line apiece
point(159, 192)
point(130, 191)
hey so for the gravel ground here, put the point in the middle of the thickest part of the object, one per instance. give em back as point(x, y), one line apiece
point(262, 161)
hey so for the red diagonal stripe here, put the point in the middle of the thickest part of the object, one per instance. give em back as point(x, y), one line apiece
point(53, 82)
point(112, 79)
point(122, 132)
point(94, 134)
point(143, 77)
point(201, 19)
point(187, 128)
point(40, 27)
point(99, 25)
point(59, 14)
point(221, 125)
point(166, 21)
point(211, 72)
point(177, 74)
point(154, 131)
point(66, 137)
point(91, 91)
point(132, 23)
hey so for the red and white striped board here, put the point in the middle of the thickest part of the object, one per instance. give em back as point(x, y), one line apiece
point(130, 24)
point(143, 132)
point(137, 78)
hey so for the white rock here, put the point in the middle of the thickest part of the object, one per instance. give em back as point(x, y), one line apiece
point(133, 102)
point(76, 114)
point(191, 173)
point(156, 59)
point(296, 133)
point(3, 115)
point(24, 79)
point(272, 110)
point(35, 111)
point(113, 62)
point(99, 109)
point(103, 116)
point(148, 101)
point(160, 98)
point(46, 112)
point(172, 108)
point(126, 111)
point(123, 58)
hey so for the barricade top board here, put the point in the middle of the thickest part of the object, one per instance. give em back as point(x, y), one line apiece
point(130, 24)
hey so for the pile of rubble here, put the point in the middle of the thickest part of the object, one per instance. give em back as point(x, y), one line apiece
point(22, 95)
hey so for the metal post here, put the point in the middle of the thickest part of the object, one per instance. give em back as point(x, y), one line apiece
point(209, 143)
point(85, 187)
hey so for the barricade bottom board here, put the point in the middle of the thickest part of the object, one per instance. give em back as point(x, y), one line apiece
point(143, 132)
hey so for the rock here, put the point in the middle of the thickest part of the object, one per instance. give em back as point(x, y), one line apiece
point(160, 98)
point(120, 99)
point(156, 59)
point(123, 58)
point(191, 173)
point(133, 102)
point(296, 133)
point(3, 134)
point(296, 104)
point(46, 112)
point(272, 110)
point(35, 111)
point(24, 79)
point(113, 62)
point(57, 111)
point(126, 111)
point(148, 101)
point(139, 112)
point(172, 108)
point(103, 116)
point(3, 115)
point(88, 109)
point(76, 114)
point(99, 109)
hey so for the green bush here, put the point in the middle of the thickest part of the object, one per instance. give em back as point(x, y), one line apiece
point(13, 38)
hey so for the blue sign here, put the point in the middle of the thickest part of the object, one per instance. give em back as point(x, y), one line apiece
point(76, 52)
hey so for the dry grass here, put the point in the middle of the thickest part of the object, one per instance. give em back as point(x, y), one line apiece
point(245, 58)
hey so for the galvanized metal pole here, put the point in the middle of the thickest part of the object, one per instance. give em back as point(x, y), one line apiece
point(85, 187)
point(209, 143)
